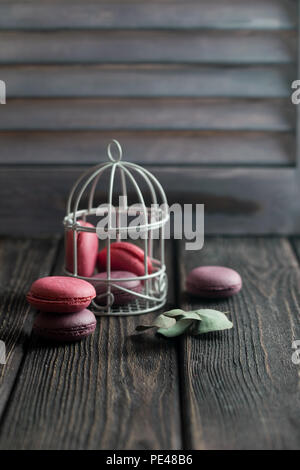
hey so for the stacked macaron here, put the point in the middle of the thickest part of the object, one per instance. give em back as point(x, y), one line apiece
point(63, 303)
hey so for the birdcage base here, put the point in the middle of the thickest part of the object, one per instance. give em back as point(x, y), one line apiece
point(136, 307)
point(139, 305)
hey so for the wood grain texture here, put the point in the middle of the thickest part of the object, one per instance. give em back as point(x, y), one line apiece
point(219, 14)
point(111, 391)
point(148, 81)
point(213, 47)
point(143, 114)
point(241, 389)
point(237, 200)
point(22, 262)
point(150, 147)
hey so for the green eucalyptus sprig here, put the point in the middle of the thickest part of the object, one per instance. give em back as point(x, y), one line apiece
point(176, 322)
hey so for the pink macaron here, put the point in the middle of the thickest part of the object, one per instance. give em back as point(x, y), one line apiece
point(65, 327)
point(120, 297)
point(60, 294)
point(87, 250)
point(213, 282)
point(124, 257)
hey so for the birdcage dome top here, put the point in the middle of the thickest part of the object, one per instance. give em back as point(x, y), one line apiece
point(130, 174)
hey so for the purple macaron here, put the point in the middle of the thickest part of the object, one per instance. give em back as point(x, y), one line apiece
point(65, 327)
point(120, 297)
point(213, 282)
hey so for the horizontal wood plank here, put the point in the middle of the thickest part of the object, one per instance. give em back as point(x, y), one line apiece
point(219, 14)
point(237, 200)
point(113, 390)
point(150, 147)
point(240, 387)
point(231, 14)
point(213, 47)
point(154, 114)
point(22, 262)
point(148, 81)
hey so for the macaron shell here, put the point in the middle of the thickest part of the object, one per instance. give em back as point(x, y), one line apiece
point(60, 294)
point(120, 297)
point(213, 282)
point(125, 256)
point(65, 328)
point(130, 248)
point(87, 250)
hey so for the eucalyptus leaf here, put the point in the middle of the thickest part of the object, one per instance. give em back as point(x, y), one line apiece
point(212, 320)
point(160, 322)
point(180, 327)
point(163, 321)
point(176, 322)
point(192, 315)
point(174, 313)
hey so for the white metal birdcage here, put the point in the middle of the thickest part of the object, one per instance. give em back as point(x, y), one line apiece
point(154, 216)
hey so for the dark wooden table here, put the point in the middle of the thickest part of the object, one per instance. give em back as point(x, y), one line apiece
point(237, 389)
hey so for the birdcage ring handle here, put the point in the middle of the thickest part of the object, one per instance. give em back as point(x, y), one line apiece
point(110, 156)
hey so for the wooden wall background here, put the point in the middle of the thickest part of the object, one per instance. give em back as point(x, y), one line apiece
point(199, 92)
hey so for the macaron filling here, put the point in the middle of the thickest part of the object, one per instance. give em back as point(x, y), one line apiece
point(32, 297)
point(196, 288)
point(75, 331)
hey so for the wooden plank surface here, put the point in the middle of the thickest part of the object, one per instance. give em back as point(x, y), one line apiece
point(142, 114)
point(150, 147)
point(213, 47)
point(237, 200)
point(22, 261)
point(219, 14)
point(111, 391)
point(241, 389)
point(148, 80)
